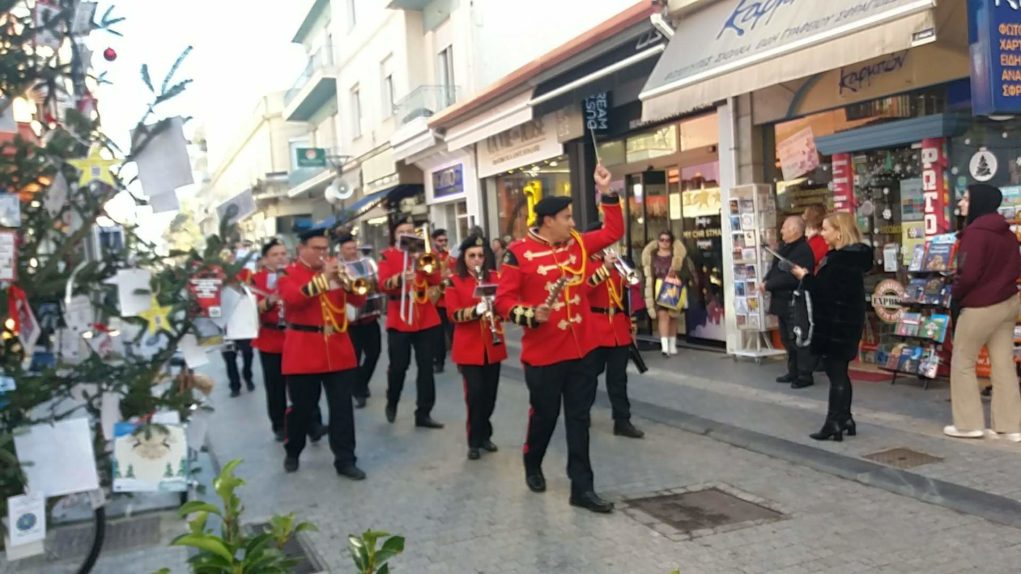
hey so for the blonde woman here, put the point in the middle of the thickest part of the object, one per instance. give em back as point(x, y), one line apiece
point(661, 259)
point(838, 309)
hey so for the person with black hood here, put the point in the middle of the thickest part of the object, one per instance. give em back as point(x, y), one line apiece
point(837, 290)
point(781, 285)
point(985, 291)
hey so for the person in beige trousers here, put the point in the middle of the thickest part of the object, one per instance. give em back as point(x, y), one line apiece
point(985, 289)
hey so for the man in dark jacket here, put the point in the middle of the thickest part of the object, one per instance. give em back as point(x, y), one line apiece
point(781, 285)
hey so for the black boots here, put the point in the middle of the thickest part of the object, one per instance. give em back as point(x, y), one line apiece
point(591, 501)
point(831, 430)
point(625, 428)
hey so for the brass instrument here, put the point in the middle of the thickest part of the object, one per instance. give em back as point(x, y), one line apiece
point(625, 270)
point(427, 261)
point(490, 314)
point(355, 285)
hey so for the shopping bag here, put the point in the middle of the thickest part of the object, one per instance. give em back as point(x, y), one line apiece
point(672, 294)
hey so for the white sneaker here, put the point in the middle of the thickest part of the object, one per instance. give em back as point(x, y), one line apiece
point(1011, 436)
point(951, 430)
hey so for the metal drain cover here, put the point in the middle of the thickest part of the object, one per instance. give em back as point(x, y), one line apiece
point(76, 541)
point(902, 458)
point(701, 510)
point(308, 562)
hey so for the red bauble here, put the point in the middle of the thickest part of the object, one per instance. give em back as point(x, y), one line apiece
point(110, 54)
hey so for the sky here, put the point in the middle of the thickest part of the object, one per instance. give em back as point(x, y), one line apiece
point(242, 50)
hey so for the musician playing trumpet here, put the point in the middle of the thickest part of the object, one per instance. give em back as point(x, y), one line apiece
point(411, 323)
point(542, 288)
point(478, 339)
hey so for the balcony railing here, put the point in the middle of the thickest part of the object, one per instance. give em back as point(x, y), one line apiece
point(424, 102)
point(321, 58)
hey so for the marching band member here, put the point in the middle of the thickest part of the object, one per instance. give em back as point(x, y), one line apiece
point(614, 331)
point(270, 341)
point(318, 353)
point(440, 242)
point(542, 288)
point(478, 347)
point(364, 328)
point(417, 329)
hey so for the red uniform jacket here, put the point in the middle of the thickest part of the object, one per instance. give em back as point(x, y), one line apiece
point(530, 269)
point(473, 337)
point(611, 324)
point(309, 302)
point(390, 270)
point(271, 329)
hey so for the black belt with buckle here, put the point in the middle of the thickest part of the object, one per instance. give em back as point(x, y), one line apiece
point(604, 311)
point(273, 326)
point(305, 328)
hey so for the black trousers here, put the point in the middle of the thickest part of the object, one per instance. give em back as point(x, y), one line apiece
point(305, 391)
point(614, 361)
point(276, 388)
point(230, 355)
point(367, 341)
point(800, 361)
point(443, 343)
point(399, 346)
point(840, 389)
point(574, 384)
point(480, 385)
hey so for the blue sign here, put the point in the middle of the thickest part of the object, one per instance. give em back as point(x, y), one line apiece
point(448, 181)
point(994, 39)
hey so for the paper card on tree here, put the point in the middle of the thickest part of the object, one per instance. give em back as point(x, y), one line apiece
point(26, 518)
point(55, 197)
point(110, 414)
point(206, 291)
point(194, 355)
point(242, 312)
point(7, 123)
point(97, 498)
point(61, 457)
point(7, 384)
point(82, 392)
point(10, 210)
point(8, 256)
point(46, 23)
point(164, 202)
point(163, 164)
point(28, 327)
point(71, 346)
point(83, 13)
point(153, 458)
point(79, 315)
point(133, 291)
point(167, 418)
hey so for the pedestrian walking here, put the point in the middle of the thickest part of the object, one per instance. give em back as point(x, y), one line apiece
point(837, 290)
point(985, 291)
point(663, 259)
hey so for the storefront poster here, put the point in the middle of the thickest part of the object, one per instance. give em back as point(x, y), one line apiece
point(703, 240)
point(995, 48)
point(798, 154)
point(843, 183)
point(449, 181)
point(934, 187)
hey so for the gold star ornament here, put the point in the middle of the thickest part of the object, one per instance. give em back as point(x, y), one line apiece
point(94, 167)
point(157, 316)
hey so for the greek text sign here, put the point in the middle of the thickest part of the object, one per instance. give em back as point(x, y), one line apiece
point(995, 47)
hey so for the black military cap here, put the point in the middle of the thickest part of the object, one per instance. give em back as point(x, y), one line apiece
point(472, 241)
point(345, 238)
point(550, 206)
point(310, 233)
point(270, 245)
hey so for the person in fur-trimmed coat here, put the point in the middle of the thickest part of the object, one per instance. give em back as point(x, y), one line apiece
point(663, 258)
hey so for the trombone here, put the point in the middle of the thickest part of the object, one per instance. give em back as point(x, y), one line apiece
point(427, 261)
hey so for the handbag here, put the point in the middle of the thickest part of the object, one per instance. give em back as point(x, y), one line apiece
point(802, 324)
point(672, 294)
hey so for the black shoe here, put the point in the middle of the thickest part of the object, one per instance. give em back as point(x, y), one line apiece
point(536, 481)
point(250, 385)
point(290, 464)
point(235, 393)
point(474, 454)
point(489, 446)
point(829, 431)
point(428, 423)
point(317, 433)
point(351, 471)
point(279, 436)
point(391, 413)
point(359, 402)
point(591, 501)
point(788, 378)
point(850, 427)
point(802, 383)
point(625, 428)
point(437, 369)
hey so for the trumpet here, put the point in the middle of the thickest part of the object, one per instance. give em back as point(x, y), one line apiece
point(625, 270)
point(356, 285)
point(490, 315)
point(427, 261)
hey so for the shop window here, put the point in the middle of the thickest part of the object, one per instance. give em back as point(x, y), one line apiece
point(514, 188)
point(657, 143)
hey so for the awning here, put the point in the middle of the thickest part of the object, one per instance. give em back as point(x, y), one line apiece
point(499, 118)
point(735, 47)
point(367, 203)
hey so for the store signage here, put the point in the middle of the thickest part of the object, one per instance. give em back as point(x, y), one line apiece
point(798, 155)
point(843, 180)
point(995, 48)
point(448, 182)
point(597, 112)
point(311, 156)
point(886, 300)
point(934, 187)
point(983, 165)
point(519, 146)
point(861, 76)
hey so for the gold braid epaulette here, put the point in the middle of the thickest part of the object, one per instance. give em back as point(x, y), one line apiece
point(319, 284)
point(524, 316)
point(600, 275)
point(466, 315)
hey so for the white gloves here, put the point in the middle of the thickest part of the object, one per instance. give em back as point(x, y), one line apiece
point(480, 309)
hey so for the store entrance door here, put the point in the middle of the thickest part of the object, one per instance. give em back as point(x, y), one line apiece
point(646, 211)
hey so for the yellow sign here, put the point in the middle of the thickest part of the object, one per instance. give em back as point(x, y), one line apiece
point(533, 193)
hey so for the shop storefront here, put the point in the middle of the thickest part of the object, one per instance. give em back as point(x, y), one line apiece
point(451, 191)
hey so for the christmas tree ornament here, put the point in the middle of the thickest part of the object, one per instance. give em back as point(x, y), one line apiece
point(109, 54)
point(157, 317)
point(55, 197)
point(94, 167)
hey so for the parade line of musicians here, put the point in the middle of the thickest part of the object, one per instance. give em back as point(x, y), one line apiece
point(556, 283)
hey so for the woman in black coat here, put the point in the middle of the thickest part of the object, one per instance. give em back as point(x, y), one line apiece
point(838, 309)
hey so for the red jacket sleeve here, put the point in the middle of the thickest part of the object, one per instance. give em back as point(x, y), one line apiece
point(509, 304)
point(387, 269)
point(292, 292)
point(612, 230)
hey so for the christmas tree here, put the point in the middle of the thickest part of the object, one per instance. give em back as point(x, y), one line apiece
point(60, 171)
